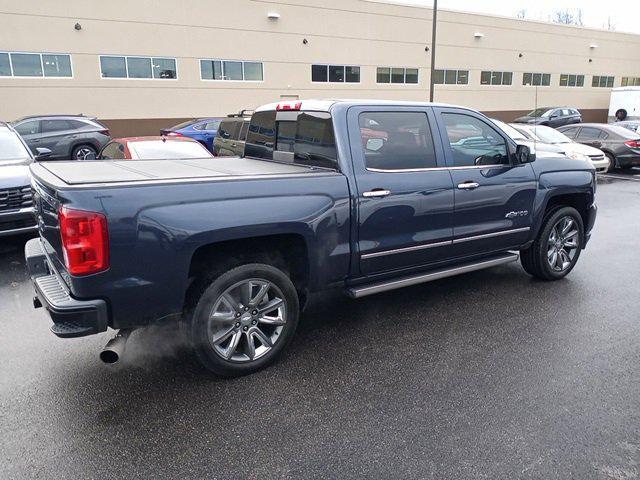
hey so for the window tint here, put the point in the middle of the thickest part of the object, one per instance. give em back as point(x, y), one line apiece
point(396, 75)
point(285, 136)
point(474, 142)
point(536, 79)
point(113, 151)
point(55, 125)
point(588, 133)
point(335, 73)
point(396, 140)
point(229, 130)
point(28, 128)
point(319, 73)
point(315, 144)
point(26, 65)
point(496, 78)
point(262, 135)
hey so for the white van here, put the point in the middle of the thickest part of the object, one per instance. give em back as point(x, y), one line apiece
point(625, 100)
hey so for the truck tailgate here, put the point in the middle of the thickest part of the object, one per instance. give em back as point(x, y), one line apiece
point(109, 171)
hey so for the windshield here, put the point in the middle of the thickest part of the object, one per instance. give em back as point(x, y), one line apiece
point(549, 135)
point(160, 150)
point(539, 112)
point(512, 132)
point(12, 150)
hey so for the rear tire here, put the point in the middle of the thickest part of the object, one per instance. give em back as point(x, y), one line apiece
point(612, 162)
point(241, 320)
point(81, 151)
point(556, 249)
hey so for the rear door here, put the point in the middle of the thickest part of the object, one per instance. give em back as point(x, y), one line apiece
point(56, 135)
point(29, 130)
point(493, 196)
point(590, 136)
point(405, 192)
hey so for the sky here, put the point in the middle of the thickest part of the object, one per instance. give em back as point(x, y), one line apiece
point(624, 14)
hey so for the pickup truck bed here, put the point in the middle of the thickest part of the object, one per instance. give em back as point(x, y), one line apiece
point(126, 171)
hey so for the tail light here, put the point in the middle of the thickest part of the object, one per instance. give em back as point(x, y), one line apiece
point(85, 241)
point(289, 106)
point(633, 143)
point(174, 134)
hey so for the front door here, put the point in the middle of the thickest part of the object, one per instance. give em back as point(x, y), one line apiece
point(405, 192)
point(494, 195)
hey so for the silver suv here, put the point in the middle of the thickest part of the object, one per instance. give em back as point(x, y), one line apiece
point(67, 136)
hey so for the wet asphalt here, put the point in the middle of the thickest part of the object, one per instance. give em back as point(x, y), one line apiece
point(488, 375)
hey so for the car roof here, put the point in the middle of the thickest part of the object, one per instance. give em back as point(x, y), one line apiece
point(74, 116)
point(325, 105)
point(152, 139)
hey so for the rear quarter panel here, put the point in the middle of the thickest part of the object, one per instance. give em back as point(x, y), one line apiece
point(155, 229)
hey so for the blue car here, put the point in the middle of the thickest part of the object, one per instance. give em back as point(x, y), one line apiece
point(203, 130)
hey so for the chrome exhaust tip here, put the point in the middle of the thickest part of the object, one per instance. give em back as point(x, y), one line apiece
point(114, 349)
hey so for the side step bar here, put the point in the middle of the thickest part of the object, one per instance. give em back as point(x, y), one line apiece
point(370, 289)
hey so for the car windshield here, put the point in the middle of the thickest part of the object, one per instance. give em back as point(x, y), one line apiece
point(12, 150)
point(509, 130)
point(549, 135)
point(539, 112)
point(160, 150)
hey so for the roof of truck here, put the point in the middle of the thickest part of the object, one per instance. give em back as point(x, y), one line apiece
point(324, 105)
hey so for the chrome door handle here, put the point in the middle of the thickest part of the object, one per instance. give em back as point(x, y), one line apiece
point(468, 185)
point(377, 192)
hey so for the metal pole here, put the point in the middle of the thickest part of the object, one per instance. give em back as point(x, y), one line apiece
point(433, 48)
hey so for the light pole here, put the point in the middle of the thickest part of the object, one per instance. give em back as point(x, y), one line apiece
point(433, 49)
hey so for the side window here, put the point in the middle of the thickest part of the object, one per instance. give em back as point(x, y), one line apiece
point(473, 142)
point(315, 144)
point(211, 126)
point(29, 128)
point(243, 130)
point(228, 130)
point(571, 132)
point(396, 140)
point(49, 126)
point(588, 133)
point(566, 112)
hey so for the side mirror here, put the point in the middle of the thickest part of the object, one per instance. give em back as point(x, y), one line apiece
point(524, 154)
point(90, 156)
point(42, 153)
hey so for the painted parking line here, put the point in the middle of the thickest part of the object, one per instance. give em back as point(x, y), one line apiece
point(633, 178)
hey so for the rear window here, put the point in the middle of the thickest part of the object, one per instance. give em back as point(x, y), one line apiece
point(159, 150)
point(304, 138)
point(623, 132)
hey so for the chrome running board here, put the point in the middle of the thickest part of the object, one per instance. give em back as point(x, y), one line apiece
point(370, 289)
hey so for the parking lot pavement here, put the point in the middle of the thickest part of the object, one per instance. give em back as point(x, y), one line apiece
point(487, 375)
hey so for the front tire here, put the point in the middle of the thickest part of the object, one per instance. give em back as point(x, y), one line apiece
point(243, 319)
point(556, 249)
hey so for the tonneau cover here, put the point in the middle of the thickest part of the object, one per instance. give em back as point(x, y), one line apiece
point(111, 171)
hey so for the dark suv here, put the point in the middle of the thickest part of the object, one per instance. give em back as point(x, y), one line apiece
point(551, 116)
point(67, 136)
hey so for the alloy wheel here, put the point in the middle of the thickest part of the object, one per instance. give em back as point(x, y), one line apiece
point(563, 244)
point(82, 153)
point(247, 320)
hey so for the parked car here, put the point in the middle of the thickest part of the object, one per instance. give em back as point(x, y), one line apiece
point(153, 148)
point(624, 104)
point(231, 136)
point(633, 125)
point(234, 247)
point(577, 151)
point(203, 130)
point(551, 116)
point(620, 145)
point(519, 137)
point(67, 136)
point(16, 203)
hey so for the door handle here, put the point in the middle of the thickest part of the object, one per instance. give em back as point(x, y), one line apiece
point(468, 185)
point(376, 193)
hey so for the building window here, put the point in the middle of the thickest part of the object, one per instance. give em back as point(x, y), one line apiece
point(50, 65)
point(536, 79)
point(233, 70)
point(626, 81)
point(603, 81)
point(137, 67)
point(396, 75)
point(571, 80)
point(496, 78)
point(451, 77)
point(335, 73)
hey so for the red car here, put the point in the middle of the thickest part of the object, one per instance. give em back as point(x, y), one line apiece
point(153, 148)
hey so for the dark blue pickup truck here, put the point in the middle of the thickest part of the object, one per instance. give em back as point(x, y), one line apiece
point(363, 196)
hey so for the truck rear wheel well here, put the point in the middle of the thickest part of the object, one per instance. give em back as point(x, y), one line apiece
point(286, 252)
point(579, 201)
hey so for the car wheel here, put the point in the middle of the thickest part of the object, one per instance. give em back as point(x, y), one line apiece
point(243, 319)
point(557, 247)
point(612, 162)
point(82, 151)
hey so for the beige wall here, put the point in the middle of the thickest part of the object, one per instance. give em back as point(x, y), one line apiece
point(355, 32)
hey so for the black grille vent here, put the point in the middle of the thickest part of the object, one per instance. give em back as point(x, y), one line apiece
point(16, 198)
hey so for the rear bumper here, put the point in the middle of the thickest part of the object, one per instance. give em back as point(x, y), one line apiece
point(17, 221)
point(629, 159)
point(71, 317)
